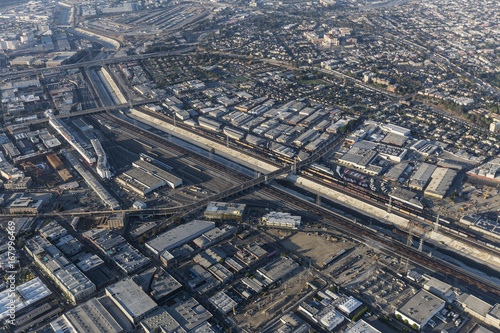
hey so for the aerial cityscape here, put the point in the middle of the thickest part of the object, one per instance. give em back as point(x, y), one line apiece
point(258, 166)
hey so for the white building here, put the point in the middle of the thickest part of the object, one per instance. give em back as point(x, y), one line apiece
point(420, 308)
point(280, 219)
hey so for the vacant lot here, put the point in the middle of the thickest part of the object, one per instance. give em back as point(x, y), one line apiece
point(317, 248)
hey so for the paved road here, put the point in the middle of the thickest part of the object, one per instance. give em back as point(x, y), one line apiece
point(99, 62)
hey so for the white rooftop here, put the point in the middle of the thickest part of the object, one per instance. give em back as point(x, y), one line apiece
point(349, 305)
point(26, 294)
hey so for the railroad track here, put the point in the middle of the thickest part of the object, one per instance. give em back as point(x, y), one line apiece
point(330, 218)
point(211, 137)
point(360, 232)
point(178, 148)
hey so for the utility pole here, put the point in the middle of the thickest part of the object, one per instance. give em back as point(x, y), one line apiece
point(409, 241)
point(436, 225)
point(390, 205)
point(318, 199)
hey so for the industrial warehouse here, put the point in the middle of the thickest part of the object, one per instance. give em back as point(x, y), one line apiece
point(145, 178)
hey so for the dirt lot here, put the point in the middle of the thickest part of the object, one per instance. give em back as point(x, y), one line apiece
point(273, 303)
point(317, 248)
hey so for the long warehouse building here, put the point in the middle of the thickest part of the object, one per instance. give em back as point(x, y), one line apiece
point(179, 236)
point(145, 177)
point(91, 181)
point(102, 160)
point(61, 129)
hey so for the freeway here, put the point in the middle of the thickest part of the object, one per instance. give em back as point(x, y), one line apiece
point(100, 62)
point(93, 111)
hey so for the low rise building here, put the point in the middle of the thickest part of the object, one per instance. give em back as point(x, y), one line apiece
point(26, 203)
point(362, 326)
point(117, 249)
point(145, 178)
point(220, 272)
point(419, 309)
point(161, 321)
point(131, 300)
point(442, 179)
point(439, 288)
point(422, 176)
point(92, 317)
point(349, 305)
point(188, 312)
point(27, 294)
point(222, 302)
point(277, 269)
point(178, 236)
point(279, 219)
point(67, 277)
point(21, 183)
point(225, 211)
point(163, 285)
point(489, 314)
point(214, 236)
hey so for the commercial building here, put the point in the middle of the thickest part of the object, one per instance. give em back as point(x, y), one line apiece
point(92, 317)
point(277, 269)
point(26, 203)
point(250, 254)
point(490, 314)
point(421, 177)
point(214, 236)
point(220, 272)
point(225, 211)
point(396, 172)
point(116, 221)
point(209, 257)
point(331, 319)
point(362, 326)
point(145, 178)
point(396, 129)
point(222, 302)
point(26, 294)
point(67, 277)
point(438, 288)
point(92, 182)
point(349, 305)
point(327, 317)
point(8, 171)
point(21, 183)
point(89, 262)
point(102, 166)
point(163, 285)
point(188, 312)
point(161, 321)
point(488, 171)
point(53, 231)
point(60, 127)
point(420, 308)
point(117, 249)
point(279, 219)
point(131, 300)
point(442, 179)
point(395, 139)
point(178, 236)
